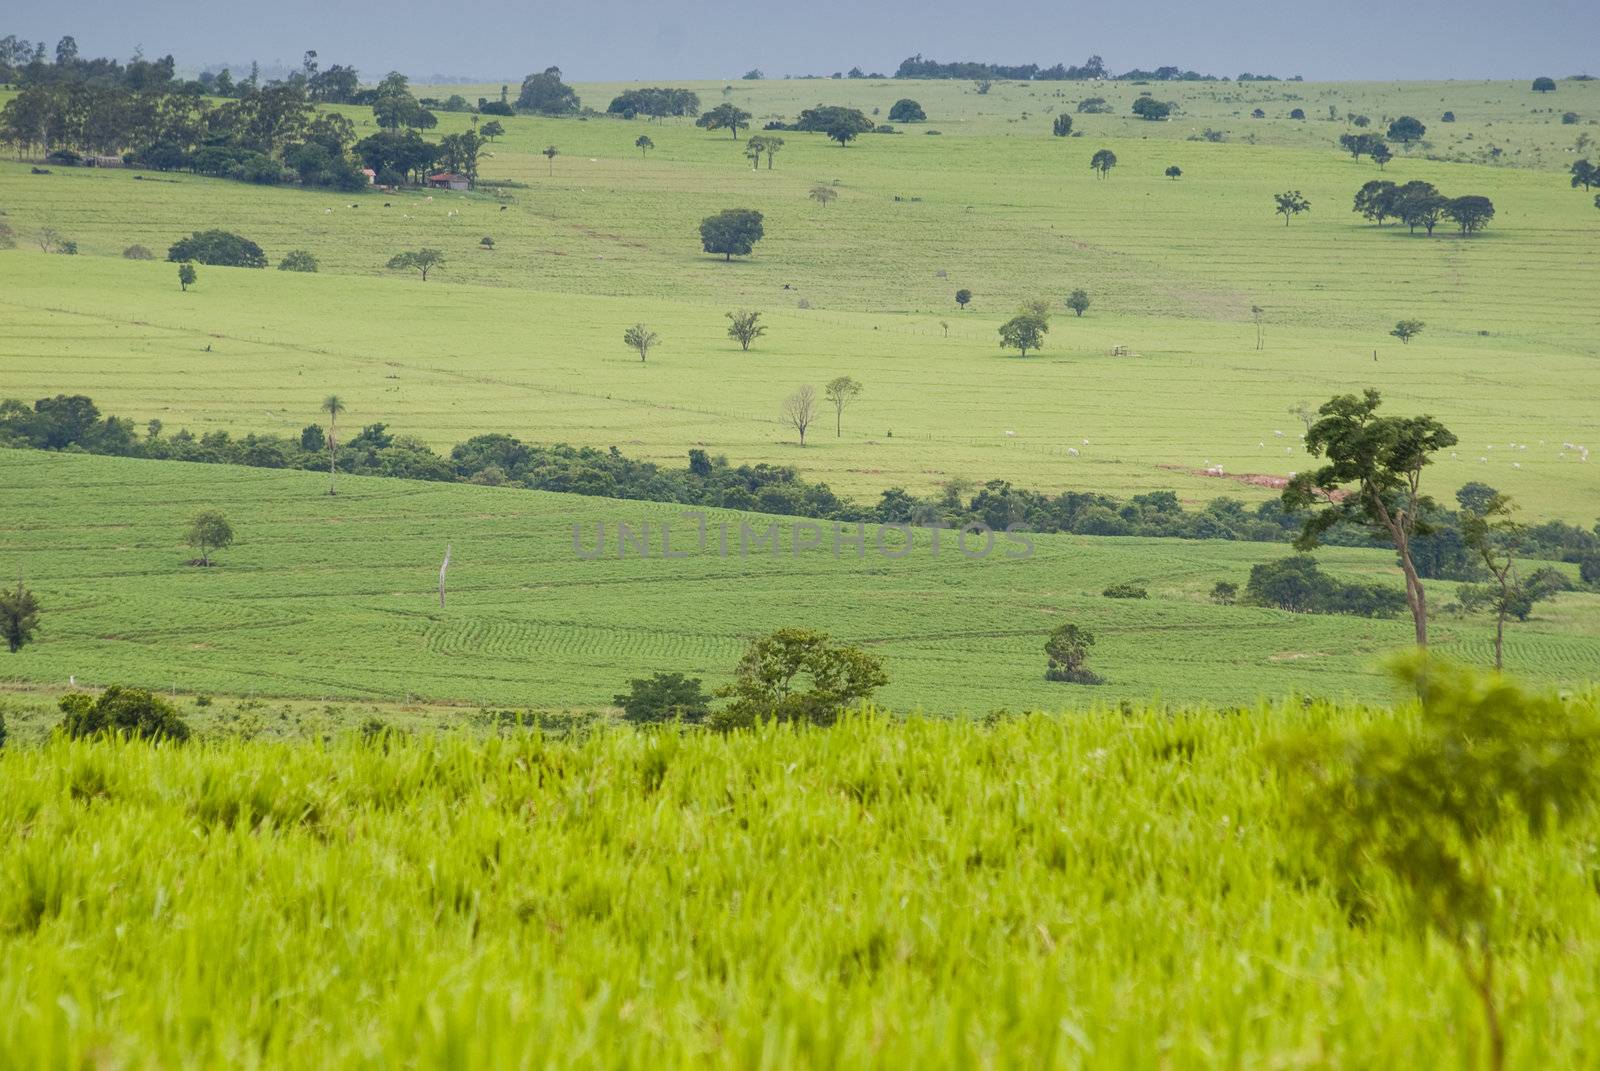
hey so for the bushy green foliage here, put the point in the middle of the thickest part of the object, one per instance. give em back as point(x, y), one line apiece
point(1417, 813)
point(221, 248)
point(134, 713)
point(1126, 590)
point(298, 260)
point(19, 616)
point(906, 110)
point(797, 675)
point(731, 232)
point(1067, 655)
point(546, 94)
point(664, 697)
point(1024, 332)
point(1299, 585)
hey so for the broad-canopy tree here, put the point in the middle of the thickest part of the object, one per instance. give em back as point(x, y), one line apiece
point(1149, 108)
point(421, 260)
point(1406, 130)
point(1471, 213)
point(546, 94)
point(1584, 174)
point(1493, 534)
point(963, 296)
point(1372, 479)
point(725, 116)
point(1102, 162)
point(1078, 302)
point(837, 122)
point(1024, 332)
point(1173, 172)
point(664, 697)
point(1406, 330)
point(1544, 85)
point(798, 675)
point(823, 195)
point(643, 144)
point(1419, 204)
point(906, 110)
point(221, 248)
point(1376, 200)
point(731, 232)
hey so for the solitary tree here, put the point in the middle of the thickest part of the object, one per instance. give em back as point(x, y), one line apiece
point(209, 531)
point(906, 110)
point(1151, 109)
point(1067, 654)
point(799, 410)
point(1061, 126)
point(725, 117)
point(422, 260)
point(1102, 162)
point(641, 338)
point(1258, 316)
point(771, 678)
point(731, 232)
point(1174, 172)
point(643, 144)
point(664, 697)
point(1290, 204)
point(333, 405)
point(744, 327)
point(186, 276)
point(1024, 332)
point(550, 153)
point(1544, 85)
point(963, 297)
point(837, 122)
point(1426, 815)
point(1372, 480)
point(19, 616)
point(1406, 130)
point(1381, 154)
point(1406, 330)
point(841, 391)
point(823, 195)
point(1078, 301)
point(1584, 174)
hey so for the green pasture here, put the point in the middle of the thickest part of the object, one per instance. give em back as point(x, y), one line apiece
point(337, 598)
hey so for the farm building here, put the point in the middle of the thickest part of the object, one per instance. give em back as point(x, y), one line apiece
point(449, 180)
point(372, 176)
point(102, 161)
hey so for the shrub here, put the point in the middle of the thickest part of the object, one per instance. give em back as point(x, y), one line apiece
point(1225, 593)
point(137, 252)
point(297, 260)
point(2, 728)
point(1589, 569)
point(1125, 591)
point(222, 248)
point(1299, 585)
point(664, 697)
point(130, 713)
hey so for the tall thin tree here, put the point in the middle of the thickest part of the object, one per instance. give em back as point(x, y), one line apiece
point(333, 405)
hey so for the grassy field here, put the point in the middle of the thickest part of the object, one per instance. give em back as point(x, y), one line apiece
point(337, 598)
point(527, 337)
point(1100, 890)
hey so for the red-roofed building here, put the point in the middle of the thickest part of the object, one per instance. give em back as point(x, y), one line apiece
point(449, 180)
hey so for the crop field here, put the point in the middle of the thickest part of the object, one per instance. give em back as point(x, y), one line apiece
point(337, 598)
point(1099, 890)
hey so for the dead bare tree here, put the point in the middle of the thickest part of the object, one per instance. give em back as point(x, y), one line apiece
point(442, 569)
point(799, 410)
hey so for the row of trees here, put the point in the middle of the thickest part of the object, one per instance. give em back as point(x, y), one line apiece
point(1434, 538)
point(1420, 204)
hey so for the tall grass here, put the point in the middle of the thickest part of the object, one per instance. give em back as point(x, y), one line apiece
point(1097, 889)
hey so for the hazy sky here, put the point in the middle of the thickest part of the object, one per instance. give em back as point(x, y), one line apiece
point(629, 39)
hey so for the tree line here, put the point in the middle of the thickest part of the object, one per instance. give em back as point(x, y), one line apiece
point(1438, 547)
